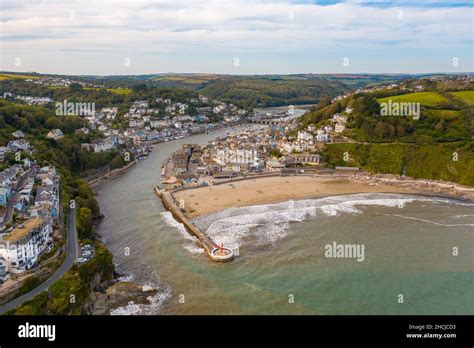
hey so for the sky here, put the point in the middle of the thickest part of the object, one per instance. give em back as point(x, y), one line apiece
point(118, 37)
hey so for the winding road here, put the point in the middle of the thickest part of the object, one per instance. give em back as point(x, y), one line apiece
point(72, 252)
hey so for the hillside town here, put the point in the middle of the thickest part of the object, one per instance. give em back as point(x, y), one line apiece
point(273, 149)
point(142, 125)
point(29, 208)
point(59, 81)
point(30, 100)
point(29, 213)
point(29, 194)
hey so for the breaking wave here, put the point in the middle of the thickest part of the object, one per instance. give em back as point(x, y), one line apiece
point(127, 278)
point(153, 307)
point(266, 224)
point(190, 242)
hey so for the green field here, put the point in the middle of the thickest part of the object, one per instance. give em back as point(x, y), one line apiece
point(193, 79)
point(442, 113)
point(466, 96)
point(430, 99)
point(17, 76)
point(121, 91)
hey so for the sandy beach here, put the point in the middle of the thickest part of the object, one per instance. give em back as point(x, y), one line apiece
point(205, 200)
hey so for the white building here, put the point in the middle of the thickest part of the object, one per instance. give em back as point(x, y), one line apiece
point(290, 147)
point(22, 247)
point(4, 273)
point(302, 158)
point(339, 127)
point(305, 136)
point(55, 134)
point(103, 145)
point(18, 134)
point(238, 160)
point(274, 166)
point(82, 130)
point(328, 129)
point(3, 151)
point(18, 145)
point(102, 128)
point(136, 123)
point(339, 118)
point(322, 136)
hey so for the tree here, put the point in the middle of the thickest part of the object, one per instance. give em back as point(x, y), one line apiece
point(139, 88)
point(275, 153)
point(75, 87)
point(84, 191)
point(325, 101)
point(117, 162)
point(84, 223)
point(53, 122)
point(24, 125)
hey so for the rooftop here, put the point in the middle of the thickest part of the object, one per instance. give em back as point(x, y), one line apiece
point(23, 230)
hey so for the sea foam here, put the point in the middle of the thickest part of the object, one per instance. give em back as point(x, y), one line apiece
point(190, 243)
point(270, 222)
point(153, 307)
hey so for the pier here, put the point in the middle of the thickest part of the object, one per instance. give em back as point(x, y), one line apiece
point(217, 253)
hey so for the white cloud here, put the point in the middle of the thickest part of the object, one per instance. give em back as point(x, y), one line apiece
point(44, 28)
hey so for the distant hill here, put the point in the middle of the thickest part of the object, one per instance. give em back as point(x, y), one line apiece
point(264, 92)
point(252, 91)
point(248, 91)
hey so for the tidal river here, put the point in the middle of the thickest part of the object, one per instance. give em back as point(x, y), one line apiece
point(417, 256)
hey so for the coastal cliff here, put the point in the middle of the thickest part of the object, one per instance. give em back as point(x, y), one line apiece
point(91, 288)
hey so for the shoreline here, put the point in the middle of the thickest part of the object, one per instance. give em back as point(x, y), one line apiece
point(112, 173)
point(118, 171)
point(276, 189)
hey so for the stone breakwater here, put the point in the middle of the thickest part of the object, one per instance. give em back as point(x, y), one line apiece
point(214, 251)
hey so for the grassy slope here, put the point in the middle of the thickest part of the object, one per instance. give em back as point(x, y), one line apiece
point(120, 91)
point(466, 96)
point(17, 76)
point(193, 81)
point(421, 161)
point(430, 99)
point(442, 113)
point(429, 161)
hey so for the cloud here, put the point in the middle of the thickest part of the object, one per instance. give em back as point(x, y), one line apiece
point(172, 28)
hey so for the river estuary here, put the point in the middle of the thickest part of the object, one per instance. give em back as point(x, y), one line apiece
point(282, 268)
